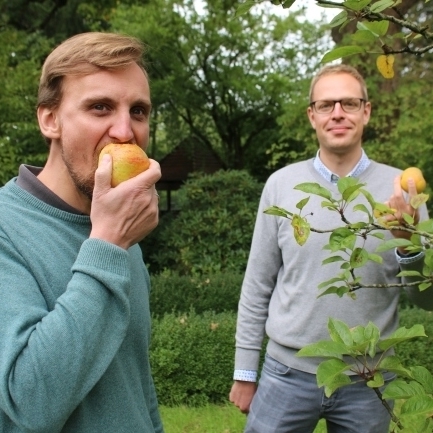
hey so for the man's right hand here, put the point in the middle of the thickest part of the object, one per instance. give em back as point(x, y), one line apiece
point(242, 393)
point(126, 214)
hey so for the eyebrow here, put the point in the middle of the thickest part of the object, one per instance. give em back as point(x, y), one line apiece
point(107, 100)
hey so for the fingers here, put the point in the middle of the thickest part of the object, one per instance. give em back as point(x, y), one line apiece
point(103, 175)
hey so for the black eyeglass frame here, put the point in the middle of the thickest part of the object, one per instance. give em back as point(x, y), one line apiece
point(313, 104)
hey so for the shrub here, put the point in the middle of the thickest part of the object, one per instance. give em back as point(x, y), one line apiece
point(192, 358)
point(180, 293)
point(418, 351)
point(212, 231)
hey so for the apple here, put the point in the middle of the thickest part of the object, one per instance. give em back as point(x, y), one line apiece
point(415, 174)
point(129, 160)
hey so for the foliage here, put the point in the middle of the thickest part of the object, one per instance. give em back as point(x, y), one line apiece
point(212, 231)
point(172, 293)
point(373, 23)
point(223, 80)
point(192, 358)
point(20, 139)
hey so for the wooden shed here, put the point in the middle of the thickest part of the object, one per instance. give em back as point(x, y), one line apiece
point(187, 157)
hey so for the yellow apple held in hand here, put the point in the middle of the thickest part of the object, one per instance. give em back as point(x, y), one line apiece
point(129, 160)
point(416, 174)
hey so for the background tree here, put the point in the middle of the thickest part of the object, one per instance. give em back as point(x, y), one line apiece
point(221, 79)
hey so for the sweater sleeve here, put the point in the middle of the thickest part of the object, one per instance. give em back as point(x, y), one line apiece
point(50, 359)
point(264, 262)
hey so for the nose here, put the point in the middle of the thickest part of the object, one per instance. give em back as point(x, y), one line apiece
point(121, 129)
point(338, 110)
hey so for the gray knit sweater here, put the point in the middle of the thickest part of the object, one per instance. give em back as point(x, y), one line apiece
point(280, 288)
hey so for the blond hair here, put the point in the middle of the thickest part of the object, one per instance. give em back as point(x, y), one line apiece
point(84, 54)
point(339, 69)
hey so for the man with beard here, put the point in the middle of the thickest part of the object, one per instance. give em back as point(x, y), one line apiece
point(74, 310)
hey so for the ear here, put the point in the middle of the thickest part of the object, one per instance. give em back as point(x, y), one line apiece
point(49, 123)
point(367, 112)
point(310, 114)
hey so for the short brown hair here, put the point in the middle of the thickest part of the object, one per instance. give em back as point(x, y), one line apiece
point(84, 54)
point(339, 69)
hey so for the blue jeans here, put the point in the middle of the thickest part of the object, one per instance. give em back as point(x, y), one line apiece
point(289, 401)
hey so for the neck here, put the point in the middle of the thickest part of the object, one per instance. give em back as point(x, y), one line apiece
point(340, 164)
point(56, 177)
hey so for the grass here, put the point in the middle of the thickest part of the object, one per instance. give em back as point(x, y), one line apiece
point(208, 419)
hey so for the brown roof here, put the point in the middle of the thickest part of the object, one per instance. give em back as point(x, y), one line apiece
point(187, 157)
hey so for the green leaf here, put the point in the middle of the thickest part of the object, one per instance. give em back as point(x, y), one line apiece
point(402, 334)
point(330, 374)
point(301, 204)
point(381, 5)
point(424, 377)
point(339, 52)
point(339, 332)
point(340, 291)
point(418, 200)
point(378, 235)
point(418, 405)
point(356, 5)
point(377, 380)
point(339, 19)
point(409, 274)
point(301, 229)
point(375, 258)
point(324, 348)
point(372, 335)
point(408, 219)
point(278, 211)
point(363, 36)
point(425, 226)
point(361, 208)
point(288, 3)
point(245, 7)
point(332, 259)
point(314, 188)
point(329, 205)
point(328, 282)
point(346, 182)
point(424, 286)
point(369, 198)
point(393, 243)
point(378, 28)
point(400, 389)
point(394, 365)
point(358, 258)
point(341, 238)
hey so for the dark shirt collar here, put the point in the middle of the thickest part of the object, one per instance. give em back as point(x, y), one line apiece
point(27, 180)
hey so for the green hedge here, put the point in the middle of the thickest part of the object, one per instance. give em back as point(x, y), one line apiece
point(420, 350)
point(193, 337)
point(192, 358)
point(178, 293)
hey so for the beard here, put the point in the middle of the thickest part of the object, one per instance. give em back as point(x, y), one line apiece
point(84, 184)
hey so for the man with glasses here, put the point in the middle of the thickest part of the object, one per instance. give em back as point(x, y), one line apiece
point(279, 295)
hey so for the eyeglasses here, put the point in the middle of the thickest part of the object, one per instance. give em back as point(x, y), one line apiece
point(349, 105)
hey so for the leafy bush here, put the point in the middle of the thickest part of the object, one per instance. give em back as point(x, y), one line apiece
point(420, 350)
point(212, 232)
point(192, 358)
point(180, 293)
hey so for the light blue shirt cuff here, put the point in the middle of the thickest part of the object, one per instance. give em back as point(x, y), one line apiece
point(245, 375)
point(405, 259)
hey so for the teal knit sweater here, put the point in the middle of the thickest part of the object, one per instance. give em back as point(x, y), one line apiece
point(74, 325)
